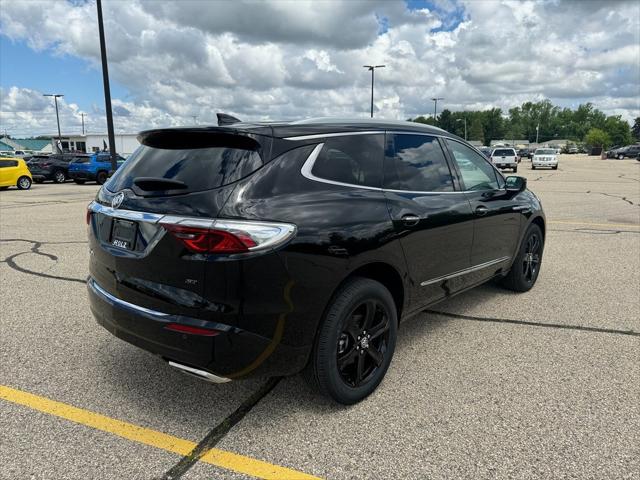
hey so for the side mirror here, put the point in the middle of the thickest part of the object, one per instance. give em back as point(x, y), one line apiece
point(515, 184)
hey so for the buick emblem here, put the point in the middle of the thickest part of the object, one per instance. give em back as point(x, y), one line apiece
point(117, 200)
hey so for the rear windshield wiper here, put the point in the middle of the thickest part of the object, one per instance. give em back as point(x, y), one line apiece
point(158, 183)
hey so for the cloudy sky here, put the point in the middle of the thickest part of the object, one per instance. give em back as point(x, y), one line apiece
point(292, 59)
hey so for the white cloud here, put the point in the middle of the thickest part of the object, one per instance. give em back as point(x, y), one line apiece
point(284, 59)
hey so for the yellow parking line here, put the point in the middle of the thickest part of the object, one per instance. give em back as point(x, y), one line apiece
point(631, 225)
point(153, 438)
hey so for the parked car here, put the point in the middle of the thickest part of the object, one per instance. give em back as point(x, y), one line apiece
point(257, 250)
point(630, 151)
point(505, 158)
point(525, 153)
point(52, 167)
point(94, 167)
point(486, 151)
point(14, 173)
point(545, 157)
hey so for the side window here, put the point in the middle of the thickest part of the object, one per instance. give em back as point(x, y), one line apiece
point(476, 172)
point(5, 163)
point(416, 163)
point(353, 159)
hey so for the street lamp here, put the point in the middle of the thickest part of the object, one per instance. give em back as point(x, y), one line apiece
point(465, 125)
point(55, 99)
point(107, 90)
point(371, 68)
point(435, 107)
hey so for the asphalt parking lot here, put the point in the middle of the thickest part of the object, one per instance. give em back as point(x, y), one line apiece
point(489, 384)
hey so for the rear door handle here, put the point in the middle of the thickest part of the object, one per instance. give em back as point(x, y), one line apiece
point(481, 210)
point(410, 219)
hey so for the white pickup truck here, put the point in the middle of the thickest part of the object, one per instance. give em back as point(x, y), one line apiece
point(505, 158)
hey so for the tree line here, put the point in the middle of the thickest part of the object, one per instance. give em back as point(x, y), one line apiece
point(584, 125)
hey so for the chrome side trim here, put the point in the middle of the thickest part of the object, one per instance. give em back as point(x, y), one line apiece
point(201, 374)
point(92, 284)
point(327, 135)
point(465, 271)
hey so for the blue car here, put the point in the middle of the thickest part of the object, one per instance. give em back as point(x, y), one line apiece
point(92, 167)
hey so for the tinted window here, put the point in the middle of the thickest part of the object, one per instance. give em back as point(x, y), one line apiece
point(81, 160)
point(355, 159)
point(199, 168)
point(504, 152)
point(416, 163)
point(8, 163)
point(476, 172)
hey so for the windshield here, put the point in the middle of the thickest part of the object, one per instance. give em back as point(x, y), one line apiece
point(545, 151)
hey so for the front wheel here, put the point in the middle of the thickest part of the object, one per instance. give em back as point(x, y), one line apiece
point(355, 343)
point(533, 167)
point(526, 266)
point(24, 183)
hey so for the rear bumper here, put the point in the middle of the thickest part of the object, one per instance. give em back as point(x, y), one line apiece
point(505, 164)
point(231, 354)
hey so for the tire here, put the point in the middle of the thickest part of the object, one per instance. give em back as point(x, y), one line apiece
point(555, 168)
point(4, 188)
point(524, 271)
point(24, 183)
point(101, 177)
point(59, 176)
point(620, 157)
point(79, 182)
point(515, 169)
point(360, 304)
point(533, 167)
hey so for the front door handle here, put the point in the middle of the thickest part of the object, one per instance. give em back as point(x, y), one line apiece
point(410, 219)
point(481, 210)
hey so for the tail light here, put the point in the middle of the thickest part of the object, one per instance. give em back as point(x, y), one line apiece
point(230, 236)
point(88, 215)
point(179, 327)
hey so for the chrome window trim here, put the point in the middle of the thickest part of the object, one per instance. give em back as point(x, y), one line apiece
point(465, 271)
point(307, 167)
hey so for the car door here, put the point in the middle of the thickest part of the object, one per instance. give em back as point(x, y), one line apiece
point(498, 215)
point(431, 217)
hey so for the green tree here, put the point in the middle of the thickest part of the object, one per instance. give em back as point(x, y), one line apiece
point(447, 121)
point(476, 131)
point(635, 130)
point(618, 130)
point(493, 124)
point(423, 119)
point(597, 138)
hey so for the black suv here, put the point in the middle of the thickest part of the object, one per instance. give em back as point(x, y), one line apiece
point(267, 249)
point(52, 167)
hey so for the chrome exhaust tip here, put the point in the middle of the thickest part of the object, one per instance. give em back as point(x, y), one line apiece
point(201, 374)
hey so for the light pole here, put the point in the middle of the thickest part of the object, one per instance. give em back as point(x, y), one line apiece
point(107, 90)
point(435, 107)
point(55, 99)
point(372, 68)
point(465, 125)
point(537, 129)
point(82, 115)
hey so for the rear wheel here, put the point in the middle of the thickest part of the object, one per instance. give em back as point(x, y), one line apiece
point(620, 157)
point(526, 266)
point(59, 176)
point(24, 183)
point(101, 177)
point(355, 343)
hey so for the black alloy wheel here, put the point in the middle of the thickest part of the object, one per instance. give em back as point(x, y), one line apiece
point(363, 343)
point(355, 342)
point(526, 266)
point(102, 177)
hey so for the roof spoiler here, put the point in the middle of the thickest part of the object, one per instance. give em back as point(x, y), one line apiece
point(224, 119)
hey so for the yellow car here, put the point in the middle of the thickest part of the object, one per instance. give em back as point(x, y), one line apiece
point(14, 173)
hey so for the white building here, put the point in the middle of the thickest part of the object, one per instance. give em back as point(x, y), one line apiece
point(126, 143)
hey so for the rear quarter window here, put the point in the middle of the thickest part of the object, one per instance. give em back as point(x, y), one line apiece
point(352, 159)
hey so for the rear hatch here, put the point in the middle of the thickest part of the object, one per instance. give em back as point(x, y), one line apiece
point(504, 155)
point(144, 225)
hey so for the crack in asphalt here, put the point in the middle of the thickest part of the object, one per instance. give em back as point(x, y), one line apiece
point(624, 177)
point(219, 431)
point(536, 324)
point(35, 248)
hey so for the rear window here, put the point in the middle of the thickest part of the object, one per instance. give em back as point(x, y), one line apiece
point(504, 152)
point(198, 168)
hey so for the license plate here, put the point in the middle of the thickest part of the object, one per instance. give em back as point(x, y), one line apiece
point(123, 234)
